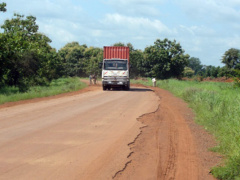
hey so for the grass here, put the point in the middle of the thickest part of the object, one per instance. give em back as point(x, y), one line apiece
point(62, 85)
point(217, 108)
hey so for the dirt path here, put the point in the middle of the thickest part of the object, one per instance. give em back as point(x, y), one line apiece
point(171, 145)
point(92, 134)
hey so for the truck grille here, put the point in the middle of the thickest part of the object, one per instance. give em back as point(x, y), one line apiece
point(115, 78)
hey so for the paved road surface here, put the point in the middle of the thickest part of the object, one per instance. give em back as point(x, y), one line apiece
point(83, 136)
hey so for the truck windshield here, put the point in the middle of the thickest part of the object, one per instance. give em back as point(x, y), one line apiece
point(115, 65)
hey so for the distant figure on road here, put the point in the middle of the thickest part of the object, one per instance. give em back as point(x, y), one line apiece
point(94, 79)
point(154, 82)
point(90, 79)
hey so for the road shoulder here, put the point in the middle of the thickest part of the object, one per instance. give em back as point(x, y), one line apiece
point(171, 145)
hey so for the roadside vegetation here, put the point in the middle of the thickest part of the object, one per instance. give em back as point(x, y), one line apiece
point(217, 108)
point(61, 85)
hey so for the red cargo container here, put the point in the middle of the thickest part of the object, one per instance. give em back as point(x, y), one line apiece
point(116, 52)
point(115, 69)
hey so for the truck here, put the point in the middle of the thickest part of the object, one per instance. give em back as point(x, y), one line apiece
point(115, 67)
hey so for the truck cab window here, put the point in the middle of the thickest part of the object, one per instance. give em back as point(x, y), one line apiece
point(115, 65)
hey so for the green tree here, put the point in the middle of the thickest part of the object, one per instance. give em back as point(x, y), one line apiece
point(92, 57)
point(131, 48)
point(2, 44)
point(224, 72)
point(3, 54)
point(188, 72)
point(195, 64)
point(212, 71)
point(207, 71)
point(24, 53)
point(165, 59)
point(136, 61)
point(72, 55)
point(119, 44)
point(231, 58)
point(3, 7)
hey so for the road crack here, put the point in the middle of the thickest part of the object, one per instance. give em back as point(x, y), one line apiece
point(131, 144)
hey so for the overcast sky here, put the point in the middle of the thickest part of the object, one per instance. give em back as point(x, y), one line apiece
point(204, 28)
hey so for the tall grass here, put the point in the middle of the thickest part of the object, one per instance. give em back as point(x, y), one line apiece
point(62, 85)
point(217, 107)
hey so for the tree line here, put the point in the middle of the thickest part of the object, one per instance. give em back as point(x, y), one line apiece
point(231, 59)
point(27, 58)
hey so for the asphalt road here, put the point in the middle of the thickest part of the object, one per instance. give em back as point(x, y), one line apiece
point(81, 136)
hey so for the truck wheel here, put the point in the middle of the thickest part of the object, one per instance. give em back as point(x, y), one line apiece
point(104, 88)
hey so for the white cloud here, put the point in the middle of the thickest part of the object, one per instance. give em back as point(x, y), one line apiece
point(212, 10)
point(200, 31)
point(46, 9)
point(135, 24)
point(136, 7)
point(57, 31)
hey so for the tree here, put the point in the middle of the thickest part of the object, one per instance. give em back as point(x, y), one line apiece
point(24, 53)
point(136, 61)
point(72, 55)
point(212, 71)
point(195, 64)
point(119, 44)
point(188, 72)
point(2, 57)
point(3, 7)
point(2, 40)
point(231, 58)
point(165, 59)
point(224, 72)
point(93, 56)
